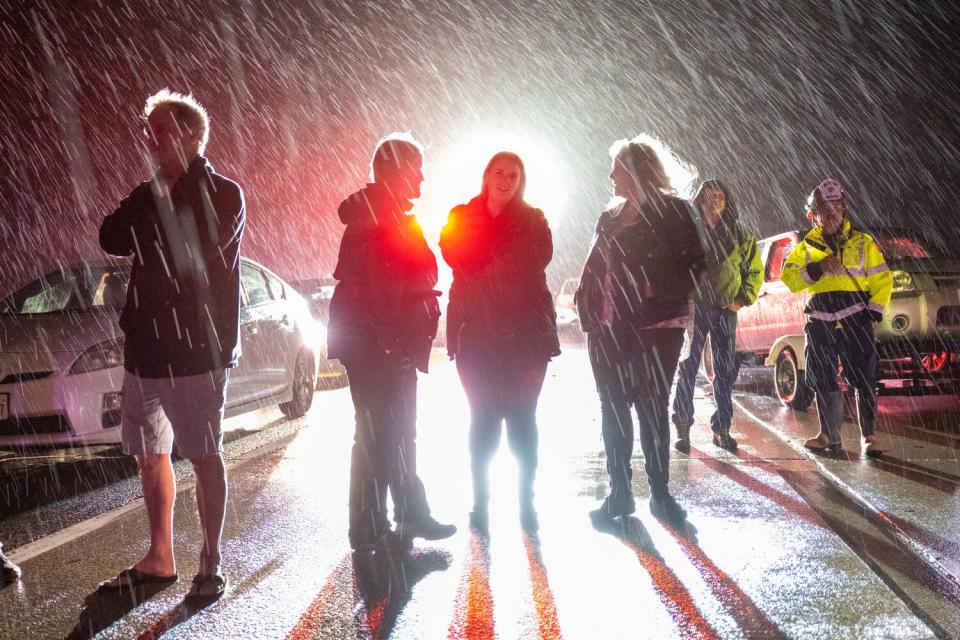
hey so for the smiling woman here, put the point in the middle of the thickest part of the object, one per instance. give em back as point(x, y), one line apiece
point(452, 177)
point(501, 326)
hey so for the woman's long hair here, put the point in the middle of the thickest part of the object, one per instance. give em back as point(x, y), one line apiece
point(656, 168)
point(517, 199)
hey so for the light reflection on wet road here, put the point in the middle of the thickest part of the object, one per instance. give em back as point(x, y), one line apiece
point(768, 551)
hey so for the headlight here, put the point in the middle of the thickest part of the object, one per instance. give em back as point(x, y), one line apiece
point(902, 281)
point(103, 355)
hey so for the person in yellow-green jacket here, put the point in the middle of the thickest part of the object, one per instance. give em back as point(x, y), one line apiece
point(850, 284)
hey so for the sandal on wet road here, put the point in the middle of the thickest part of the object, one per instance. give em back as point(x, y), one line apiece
point(132, 578)
point(206, 588)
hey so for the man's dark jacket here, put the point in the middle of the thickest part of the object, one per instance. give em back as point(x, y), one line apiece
point(182, 313)
point(499, 294)
point(384, 305)
point(655, 263)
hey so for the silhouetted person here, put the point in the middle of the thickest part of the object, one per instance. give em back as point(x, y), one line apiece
point(850, 283)
point(181, 320)
point(501, 325)
point(383, 319)
point(732, 281)
point(634, 302)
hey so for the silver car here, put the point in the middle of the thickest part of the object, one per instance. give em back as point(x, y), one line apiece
point(61, 353)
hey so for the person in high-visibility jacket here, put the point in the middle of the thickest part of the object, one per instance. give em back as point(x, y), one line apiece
point(850, 284)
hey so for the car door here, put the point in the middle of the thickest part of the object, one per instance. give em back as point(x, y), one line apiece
point(254, 323)
point(748, 318)
point(780, 311)
point(280, 332)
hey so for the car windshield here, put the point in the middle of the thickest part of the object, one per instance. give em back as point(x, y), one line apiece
point(905, 246)
point(81, 289)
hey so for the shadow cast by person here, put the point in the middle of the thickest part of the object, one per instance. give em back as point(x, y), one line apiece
point(102, 609)
point(631, 531)
point(383, 583)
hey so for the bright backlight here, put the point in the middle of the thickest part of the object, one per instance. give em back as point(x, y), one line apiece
point(453, 176)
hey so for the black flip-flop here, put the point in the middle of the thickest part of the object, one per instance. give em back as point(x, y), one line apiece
point(206, 588)
point(132, 578)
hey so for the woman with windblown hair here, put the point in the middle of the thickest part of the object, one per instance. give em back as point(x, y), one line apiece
point(634, 302)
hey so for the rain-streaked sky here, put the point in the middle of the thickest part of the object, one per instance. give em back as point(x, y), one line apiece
point(770, 99)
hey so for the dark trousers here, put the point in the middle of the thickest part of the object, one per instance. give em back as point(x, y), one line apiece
point(721, 325)
point(850, 342)
point(500, 388)
point(384, 447)
point(637, 379)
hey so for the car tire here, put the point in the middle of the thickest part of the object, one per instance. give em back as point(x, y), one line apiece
point(789, 383)
point(304, 381)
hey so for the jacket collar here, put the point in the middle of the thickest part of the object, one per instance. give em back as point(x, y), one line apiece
point(815, 236)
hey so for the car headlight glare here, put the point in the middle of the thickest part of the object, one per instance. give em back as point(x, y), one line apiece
point(902, 281)
point(103, 355)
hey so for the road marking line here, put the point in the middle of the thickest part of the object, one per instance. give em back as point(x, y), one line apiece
point(63, 536)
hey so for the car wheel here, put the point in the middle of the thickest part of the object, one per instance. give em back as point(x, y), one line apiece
point(303, 383)
point(788, 380)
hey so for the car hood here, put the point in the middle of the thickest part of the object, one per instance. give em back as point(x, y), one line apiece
point(68, 332)
point(927, 265)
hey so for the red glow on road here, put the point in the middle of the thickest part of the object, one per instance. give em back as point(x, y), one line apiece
point(543, 601)
point(310, 622)
point(752, 621)
point(473, 611)
point(673, 594)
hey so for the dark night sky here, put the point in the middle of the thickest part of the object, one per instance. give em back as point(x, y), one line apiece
point(768, 99)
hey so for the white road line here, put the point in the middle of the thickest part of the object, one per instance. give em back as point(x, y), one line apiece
point(63, 536)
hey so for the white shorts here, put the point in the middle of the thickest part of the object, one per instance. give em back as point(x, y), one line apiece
point(157, 413)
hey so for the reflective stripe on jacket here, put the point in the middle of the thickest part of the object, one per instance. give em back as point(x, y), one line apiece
point(866, 283)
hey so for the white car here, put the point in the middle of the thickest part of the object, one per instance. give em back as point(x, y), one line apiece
point(61, 353)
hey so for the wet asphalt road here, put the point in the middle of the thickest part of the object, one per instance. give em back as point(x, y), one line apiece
point(777, 543)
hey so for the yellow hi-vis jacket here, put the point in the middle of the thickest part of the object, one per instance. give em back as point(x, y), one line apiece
point(864, 286)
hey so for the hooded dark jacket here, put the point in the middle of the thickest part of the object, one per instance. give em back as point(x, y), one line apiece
point(384, 302)
point(655, 263)
point(182, 312)
point(499, 294)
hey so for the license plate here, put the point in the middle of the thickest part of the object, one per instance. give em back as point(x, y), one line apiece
point(4, 406)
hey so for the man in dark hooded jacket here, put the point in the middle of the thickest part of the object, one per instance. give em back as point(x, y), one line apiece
point(383, 318)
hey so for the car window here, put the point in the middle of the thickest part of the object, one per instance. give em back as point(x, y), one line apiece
point(78, 289)
point(254, 285)
point(276, 287)
point(778, 255)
